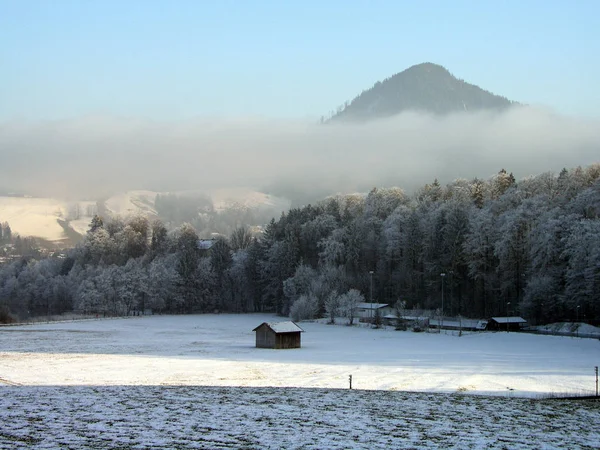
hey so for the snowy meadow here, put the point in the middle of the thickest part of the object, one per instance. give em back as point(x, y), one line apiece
point(199, 382)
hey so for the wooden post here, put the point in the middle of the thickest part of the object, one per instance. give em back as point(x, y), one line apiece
point(350, 378)
point(595, 368)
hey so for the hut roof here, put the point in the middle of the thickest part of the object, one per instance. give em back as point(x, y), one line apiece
point(206, 244)
point(282, 327)
point(515, 319)
point(365, 305)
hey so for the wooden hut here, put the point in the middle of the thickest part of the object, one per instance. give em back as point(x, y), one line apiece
point(278, 335)
point(506, 323)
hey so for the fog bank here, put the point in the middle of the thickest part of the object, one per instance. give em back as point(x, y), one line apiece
point(97, 156)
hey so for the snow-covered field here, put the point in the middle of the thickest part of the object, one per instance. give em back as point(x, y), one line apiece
point(38, 217)
point(199, 382)
point(132, 203)
point(182, 417)
point(34, 216)
point(218, 350)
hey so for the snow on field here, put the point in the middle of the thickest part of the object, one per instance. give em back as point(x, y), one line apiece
point(34, 216)
point(87, 210)
point(226, 198)
point(132, 203)
point(199, 382)
point(186, 417)
point(218, 350)
point(38, 217)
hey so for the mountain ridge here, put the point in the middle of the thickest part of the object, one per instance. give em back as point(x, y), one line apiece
point(425, 87)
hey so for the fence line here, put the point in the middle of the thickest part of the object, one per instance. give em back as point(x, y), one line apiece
point(563, 333)
point(35, 321)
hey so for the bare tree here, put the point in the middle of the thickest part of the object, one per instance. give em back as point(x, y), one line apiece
point(240, 239)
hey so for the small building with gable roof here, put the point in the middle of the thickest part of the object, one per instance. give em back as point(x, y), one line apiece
point(367, 311)
point(278, 335)
point(506, 323)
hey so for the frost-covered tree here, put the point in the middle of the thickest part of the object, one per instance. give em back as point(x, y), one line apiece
point(279, 265)
point(333, 248)
point(532, 242)
point(332, 306)
point(298, 285)
point(131, 286)
point(187, 264)
point(162, 284)
point(481, 262)
point(220, 261)
point(349, 304)
point(583, 269)
point(241, 285)
point(313, 233)
point(159, 242)
point(305, 307)
point(96, 223)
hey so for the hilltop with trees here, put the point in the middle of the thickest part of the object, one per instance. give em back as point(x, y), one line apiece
point(426, 87)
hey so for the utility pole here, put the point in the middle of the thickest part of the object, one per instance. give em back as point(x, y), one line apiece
point(443, 275)
point(371, 297)
point(507, 322)
point(451, 280)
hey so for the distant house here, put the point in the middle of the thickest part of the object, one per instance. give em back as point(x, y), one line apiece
point(366, 311)
point(454, 323)
point(278, 335)
point(407, 321)
point(506, 323)
point(206, 244)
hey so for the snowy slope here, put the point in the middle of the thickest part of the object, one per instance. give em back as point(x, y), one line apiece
point(34, 216)
point(218, 350)
point(142, 202)
point(131, 203)
point(227, 198)
point(39, 217)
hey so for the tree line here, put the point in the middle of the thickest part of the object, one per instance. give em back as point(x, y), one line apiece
point(530, 247)
point(13, 244)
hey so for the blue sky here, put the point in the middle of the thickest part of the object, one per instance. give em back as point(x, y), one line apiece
point(179, 60)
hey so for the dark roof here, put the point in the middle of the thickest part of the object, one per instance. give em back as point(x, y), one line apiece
point(282, 327)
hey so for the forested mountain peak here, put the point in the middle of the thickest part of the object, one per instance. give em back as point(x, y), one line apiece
point(425, 87)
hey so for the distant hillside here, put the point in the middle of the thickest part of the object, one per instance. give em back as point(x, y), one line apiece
point(425, 87)
point(62, 223)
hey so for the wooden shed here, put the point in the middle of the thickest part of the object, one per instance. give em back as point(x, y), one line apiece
point(506, 323)
point(278, 335)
